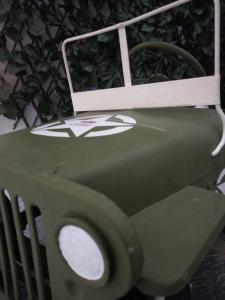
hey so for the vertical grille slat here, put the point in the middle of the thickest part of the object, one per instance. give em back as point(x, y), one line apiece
point(2, 288)
point(10, 244)
point(39, 273)
point(22, 248)
point(4, 263)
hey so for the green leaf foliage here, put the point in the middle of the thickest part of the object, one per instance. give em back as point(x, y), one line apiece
point(5, 6)
point(37, 29)
point(10, 111)
point(4, 54)
point(2, 109)
point(5, 90)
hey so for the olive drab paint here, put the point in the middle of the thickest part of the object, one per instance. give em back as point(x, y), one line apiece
point(131, 187)
point(117, 189)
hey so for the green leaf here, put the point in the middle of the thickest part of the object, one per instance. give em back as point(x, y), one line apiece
point(103, 38)
point(2, 109)
point(146, 3)
point(105, 10)
point(32, 81)
point(37, 27)
point(147, 28)
point(44, 107)
point(20, 99)
point(76, 3)
point(11, 111)
point(18, 16)
point(63, 83)
point(199, 11)
point(4, 54)
point(42, 67)
point(12, 32)
point(208, 50)
point(5, 6)
point(5, 90)
point(13, 68)
point(18, 57)
point(92, 10)
point(87, 67)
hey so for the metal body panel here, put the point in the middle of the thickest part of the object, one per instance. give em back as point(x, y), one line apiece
point(181, 229)
point(61, 201)
point(124, 182)
point(139, 162)
point(109, 181)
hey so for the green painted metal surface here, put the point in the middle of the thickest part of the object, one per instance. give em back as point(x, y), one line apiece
point(117, 184)
point(167, 148)
point(59, 200)
point(176, 234)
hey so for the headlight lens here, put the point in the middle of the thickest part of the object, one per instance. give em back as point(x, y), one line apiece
point(81, 252)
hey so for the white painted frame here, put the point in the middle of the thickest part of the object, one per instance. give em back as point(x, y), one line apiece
point(186, 92)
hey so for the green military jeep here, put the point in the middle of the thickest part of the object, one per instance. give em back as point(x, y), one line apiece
point(115, 203)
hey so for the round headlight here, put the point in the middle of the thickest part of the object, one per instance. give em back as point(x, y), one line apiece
point(82, 252)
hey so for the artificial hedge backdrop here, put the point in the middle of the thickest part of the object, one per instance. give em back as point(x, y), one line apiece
point(37, 29)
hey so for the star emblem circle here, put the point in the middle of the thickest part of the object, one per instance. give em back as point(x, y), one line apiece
point(88, 127)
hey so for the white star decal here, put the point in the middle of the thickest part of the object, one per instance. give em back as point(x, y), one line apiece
point(221, 183)
point(81, 126)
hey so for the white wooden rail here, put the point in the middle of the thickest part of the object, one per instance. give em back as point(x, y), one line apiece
point(185, 92)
